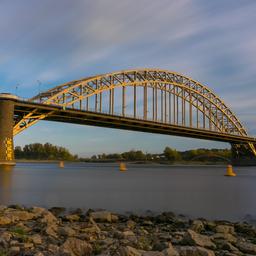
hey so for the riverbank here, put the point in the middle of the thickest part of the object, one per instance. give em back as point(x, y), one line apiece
point(38, 231)
point(175, 163)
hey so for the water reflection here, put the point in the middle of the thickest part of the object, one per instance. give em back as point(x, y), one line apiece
point(6, 173)
point(198, 191)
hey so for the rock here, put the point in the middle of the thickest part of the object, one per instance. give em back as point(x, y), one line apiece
point(72, 217)
point(152, 253)
point(53, 249)
point(224, 236)
point(51, 230)
point(246, 247)
point(225, 229)
point(28, 246)
point(76, 247)
point(170, 251)
point(194, 251)
point(245, 229)
point(193, 238)
point(66, 231)
point(2, 208)
point(229, 247)
point(36, 239)
point(131, 224)
point(197, 226)
point(38, 211)
point(48, 218)
point(5, 220)
point(14, 250)
point(103, 216)
point(129, 251)
point(57, 211)
point(6, 236)
point(39, 254)
point(128, 233)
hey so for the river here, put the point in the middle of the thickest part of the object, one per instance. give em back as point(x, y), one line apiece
point(196, 191)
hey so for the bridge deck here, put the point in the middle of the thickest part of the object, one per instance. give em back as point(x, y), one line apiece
point(119, 122)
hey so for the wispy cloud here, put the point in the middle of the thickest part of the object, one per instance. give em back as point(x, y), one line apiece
point(55, 41)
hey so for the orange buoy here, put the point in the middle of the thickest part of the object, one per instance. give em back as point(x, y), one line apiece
point(61, 164)
point(122, 167)
point(230, 171)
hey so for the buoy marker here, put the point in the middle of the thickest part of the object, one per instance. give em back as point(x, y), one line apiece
point(61, 164)
point(122, 167)
point(230, 171)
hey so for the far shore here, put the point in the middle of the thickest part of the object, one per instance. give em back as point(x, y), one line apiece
point(176, 163)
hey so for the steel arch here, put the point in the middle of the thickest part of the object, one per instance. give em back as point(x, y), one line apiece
point(188, 90)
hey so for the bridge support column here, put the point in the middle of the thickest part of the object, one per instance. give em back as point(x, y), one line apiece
point(6, 129)
point(242, 155)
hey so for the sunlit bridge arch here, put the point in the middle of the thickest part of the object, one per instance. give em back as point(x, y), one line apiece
point(149, 94)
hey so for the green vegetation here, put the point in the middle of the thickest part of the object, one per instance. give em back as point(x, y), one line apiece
point(48, 151)
point(169, 154)
point(45, 151)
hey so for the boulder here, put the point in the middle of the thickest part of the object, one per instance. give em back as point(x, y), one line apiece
point(76, 247)
point(72, 217)
point(227, 229)
point(36, 239)
point(103, 216)
point(193, 238)
point(48, 218)
point(14, 250)
point(51, 230)
point(152, 253)
point(170, 251)
point(194, 251)
point(129, 251)
point(5, 220)
point(66, 231)
point(197, 226)
point(224, 236)
point(246, 247)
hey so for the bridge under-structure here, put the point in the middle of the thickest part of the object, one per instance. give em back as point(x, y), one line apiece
point(146, 100)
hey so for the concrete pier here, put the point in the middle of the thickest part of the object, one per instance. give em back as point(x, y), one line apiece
point(6, 129)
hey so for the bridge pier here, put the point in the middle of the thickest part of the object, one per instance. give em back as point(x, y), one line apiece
point(6, 129)
point(242, 155)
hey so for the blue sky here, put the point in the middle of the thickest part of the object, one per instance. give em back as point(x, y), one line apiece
point(213, 42)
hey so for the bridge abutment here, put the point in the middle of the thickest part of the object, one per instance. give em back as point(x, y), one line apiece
point(6, 129)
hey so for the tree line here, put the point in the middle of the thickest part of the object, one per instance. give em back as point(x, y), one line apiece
point(169, 154)
point(47, 151)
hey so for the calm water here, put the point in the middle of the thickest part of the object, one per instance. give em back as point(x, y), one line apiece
point(195, 191)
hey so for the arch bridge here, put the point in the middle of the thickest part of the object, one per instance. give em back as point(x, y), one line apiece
point(148, 100)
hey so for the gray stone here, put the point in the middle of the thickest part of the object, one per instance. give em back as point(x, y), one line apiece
point(194, 251)
point(170, 251)
point(193, 238)
point(197, 226)
point(103, 216)
point(129, 251)
point(76, 247)
point(36, 239)
point(66, 231)
point(225, 236)
point(152, 253)
point(225, 229)
point(246, 247)
point(14, 250)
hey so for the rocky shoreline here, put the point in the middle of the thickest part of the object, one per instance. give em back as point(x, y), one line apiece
point(38, 231)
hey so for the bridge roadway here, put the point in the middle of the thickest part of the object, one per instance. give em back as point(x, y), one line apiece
point(74, 116)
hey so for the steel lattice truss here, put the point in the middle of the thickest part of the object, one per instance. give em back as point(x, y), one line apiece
point(169, 97)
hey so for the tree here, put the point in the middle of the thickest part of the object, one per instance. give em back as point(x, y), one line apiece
point(45, 151)
point(171, 154)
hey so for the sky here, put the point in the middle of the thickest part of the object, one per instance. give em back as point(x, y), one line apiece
point(46, 43)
